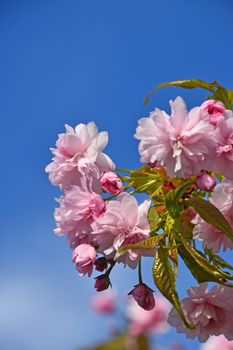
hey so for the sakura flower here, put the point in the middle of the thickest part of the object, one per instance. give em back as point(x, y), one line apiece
point(222, 198)
point(210, 311)
point(104, 303)
point(79, 152)
point(216, 343)
point(142, 321)
point(183, 143)
point(223, 162)
point(79, 207)
point(215, 110)
point(123, 222)
point(84, 256)
point(111, 183)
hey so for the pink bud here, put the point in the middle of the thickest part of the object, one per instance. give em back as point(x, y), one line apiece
point(144, 296)
point(101, 264)
point(111, 183)
point(205, 181)
point(84, 257)
point(215, 110)
point(102, 282)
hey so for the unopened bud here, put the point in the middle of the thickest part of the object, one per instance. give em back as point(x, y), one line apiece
point(102, 282)
point(144, 296)
point(101, 264)
point(205, 181)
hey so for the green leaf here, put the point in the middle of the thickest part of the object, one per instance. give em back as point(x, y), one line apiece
point(149, 243)
point(146, 179)
point(201, 268)
point(230, 93)
point(223, 95)
point(173, 250)
point(217, 259)
point(172, 200)
point(164, 279)
point(154, 219)
point(187, 84)
point(211, 214)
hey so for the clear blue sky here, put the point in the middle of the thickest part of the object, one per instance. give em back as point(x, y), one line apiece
point(69, 62)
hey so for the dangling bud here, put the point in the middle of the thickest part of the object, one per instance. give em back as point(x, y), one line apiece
point(102, 282)
point(144, 296)
point(101, 264)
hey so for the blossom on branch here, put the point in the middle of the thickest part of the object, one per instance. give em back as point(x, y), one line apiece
point(78, 152)
point(183, 143)
point(79, 207)
point(222, 198)
point(124, 222)
point(210, 311)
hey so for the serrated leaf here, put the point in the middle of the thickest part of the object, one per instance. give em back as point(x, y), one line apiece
point(173, 250)
point(164, 279)
point(187, 84)
point(218, 260)
point(201, 268)
point(169, 224)
point(154, 219)
point(145, 180)
point(211, 215)
point(149, 243)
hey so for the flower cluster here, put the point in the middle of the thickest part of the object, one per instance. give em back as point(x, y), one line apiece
point(188, 178)
point(188, 142)
point(95, 227)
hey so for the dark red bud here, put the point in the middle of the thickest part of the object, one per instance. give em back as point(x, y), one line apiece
point(102, 282)
point(101, 264)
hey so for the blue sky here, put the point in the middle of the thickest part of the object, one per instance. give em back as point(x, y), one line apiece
point(71, 62)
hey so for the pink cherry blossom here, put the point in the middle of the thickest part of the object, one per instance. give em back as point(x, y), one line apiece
point(183, 143)
point(215, 110)
point(79, 207)
point(84, 256)
point(223, 162)
point(79, 152)
point(142, 321)
point(218, 343)
point(210, 311)
point(104, 303)
point(124, 222)
point(222, 198)
point(111, 183)
point(144, 296)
